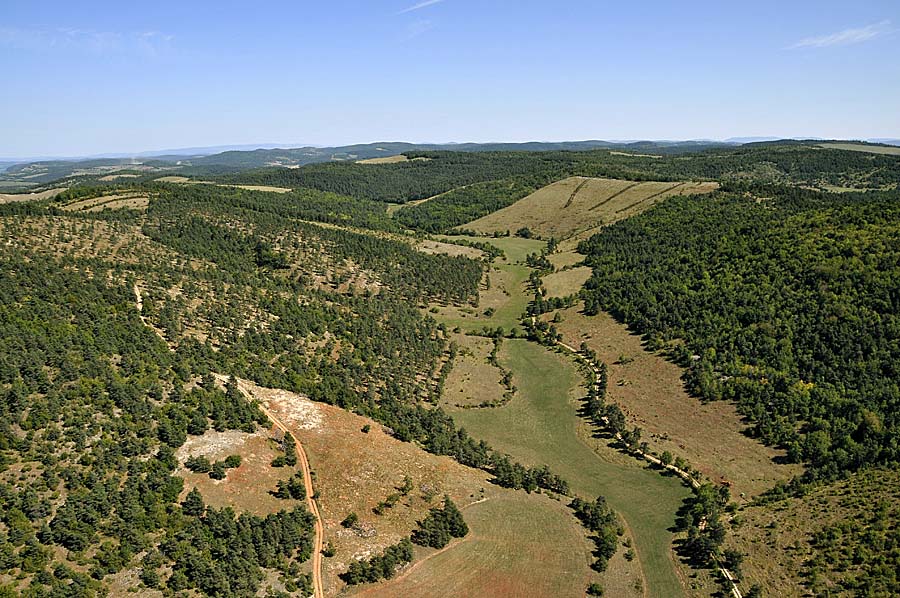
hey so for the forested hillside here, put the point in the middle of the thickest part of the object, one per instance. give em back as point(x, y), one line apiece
point(786, 301)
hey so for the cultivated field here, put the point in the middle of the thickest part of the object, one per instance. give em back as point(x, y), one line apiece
point(650, 391)
point(862, 147)
point(540, 425)
point(573, 207)
point(264, 188)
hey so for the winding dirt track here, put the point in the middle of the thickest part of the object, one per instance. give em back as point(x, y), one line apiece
point(310, 501)
point(301, 454)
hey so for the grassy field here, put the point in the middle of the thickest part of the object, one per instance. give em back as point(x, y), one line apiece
point(135, 201)
point(13, 197)
point(473, 380)
point(355, 470)
point(862, 147)
point(505, 297)
point(528, 542)
point(573, 207)
point(541, 426)
point(650, 391)
point(566, 282)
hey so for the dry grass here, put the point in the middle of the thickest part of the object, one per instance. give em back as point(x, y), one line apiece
point(862, 147)
point(173, 179)
point(565, 259)
point(613, 153)
point(245, 488)
point(566, 282)
point(111, 202)
point(264, 188)
point(429, 246)
point(113, 177)
point(650, 391)
point(573, 207)
point(473, 381)
point(519, 545)
point(391, 160)
point(14, 197)
point(355, 470)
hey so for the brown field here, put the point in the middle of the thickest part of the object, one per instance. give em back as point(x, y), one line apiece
point(777, 538)
point(173, 179)
point(575, 207)
point(264, 188)
point(13, 197)
point(650, 391)
point(390, 160)
point(565, 259)
point(245, 488)
point(566, 282)
point(862, 147)
point(353, 471)
point(112, 202)
point(113, 177)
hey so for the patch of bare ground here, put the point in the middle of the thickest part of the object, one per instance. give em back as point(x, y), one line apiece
point(614, 153)
point(566, 282)
point(14, 197)
point(651, 393)
point(245, 488)
point(575, 206)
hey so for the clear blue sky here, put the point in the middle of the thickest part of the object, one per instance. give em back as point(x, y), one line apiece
point(90, 77)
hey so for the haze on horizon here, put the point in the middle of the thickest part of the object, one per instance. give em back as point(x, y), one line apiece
point(104, 77)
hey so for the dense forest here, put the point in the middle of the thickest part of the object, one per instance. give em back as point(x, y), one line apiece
point(787, 302)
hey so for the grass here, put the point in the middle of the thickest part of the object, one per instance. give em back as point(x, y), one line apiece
point(541, 426)
point(533, 546)
point(473, 380)
point(573, 207)
point(566, 282)
point(355, 470)
point(515, 248)
point(650, 391)
point(506, 298)
point(863, 147)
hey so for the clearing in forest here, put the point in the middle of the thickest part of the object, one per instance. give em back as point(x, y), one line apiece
point(518, 545)
point(576, 206)
point(133, 201)
point(566, 282)
point(649, 389)
point(355, 470)
point(541, 425)
point(391, 159)
point(14, 197)
point(864, 147)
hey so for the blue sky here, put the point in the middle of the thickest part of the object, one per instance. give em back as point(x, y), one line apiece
point(91, 77)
